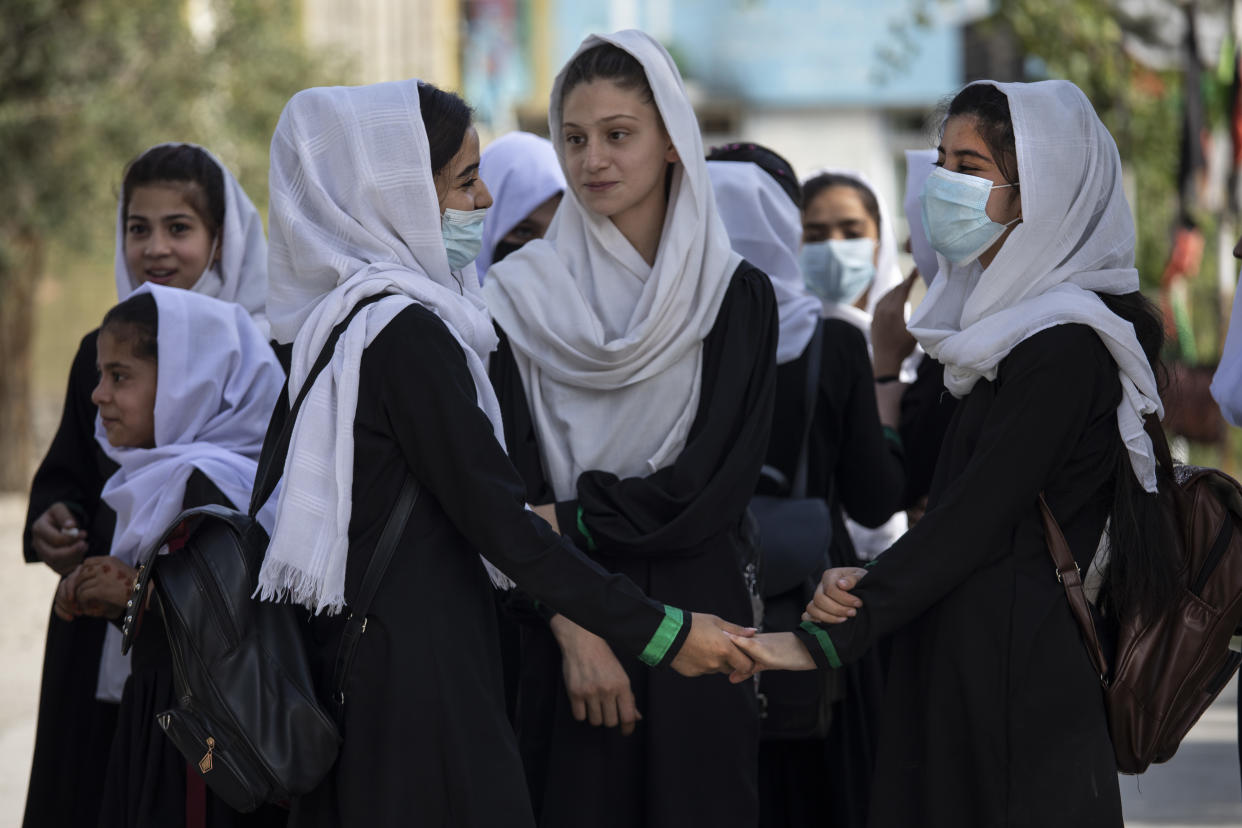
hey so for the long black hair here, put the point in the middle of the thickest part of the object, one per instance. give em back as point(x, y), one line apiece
point(768, 160)
point(826, 181)
point(607, 62)
point(1143, 571)
point(185, 164)
point(136, 321)
point(446, 118)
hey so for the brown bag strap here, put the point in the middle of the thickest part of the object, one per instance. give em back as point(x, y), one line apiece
point(1071, 578)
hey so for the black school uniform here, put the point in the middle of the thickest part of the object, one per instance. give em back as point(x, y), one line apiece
point(74, 731)
point(146, 780)
point(426, 737)
point(993, 716)
point(857, 466)
point(926, 409)
point(678, 534)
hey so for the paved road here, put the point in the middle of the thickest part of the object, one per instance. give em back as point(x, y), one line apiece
point(1200, 787)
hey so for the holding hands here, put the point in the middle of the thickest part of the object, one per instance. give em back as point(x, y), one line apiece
point(99, 587)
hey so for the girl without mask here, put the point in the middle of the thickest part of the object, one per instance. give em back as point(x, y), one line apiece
point(1037, 318)
point(182, 220)
point(636, 378)
point(526, 183)
point(374, 190)
point(184, 425)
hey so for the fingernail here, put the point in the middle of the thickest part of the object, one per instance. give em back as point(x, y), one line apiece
point(852, 613)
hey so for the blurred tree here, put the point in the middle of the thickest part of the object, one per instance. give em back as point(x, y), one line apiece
point(87, 84)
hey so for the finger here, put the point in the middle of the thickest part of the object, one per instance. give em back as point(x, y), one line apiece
point(739, 661)
point(823, 605)
point(610, 709)
point(61, 517)
point(734, 629)
point(627, 709)
point(577, 706)
point(595, 711)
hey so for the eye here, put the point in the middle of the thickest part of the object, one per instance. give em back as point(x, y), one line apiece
point(575, 139)
point(617, 134)
point(179, 228)
point(469, 183)
point(117, 377)
point(136, 229)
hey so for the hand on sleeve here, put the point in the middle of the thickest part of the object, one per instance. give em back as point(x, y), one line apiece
point(833, 602)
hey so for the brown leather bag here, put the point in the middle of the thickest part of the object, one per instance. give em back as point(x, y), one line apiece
point(1169, 669)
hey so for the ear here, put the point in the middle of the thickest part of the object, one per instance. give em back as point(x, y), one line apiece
point(219, 252)
point(670, 153)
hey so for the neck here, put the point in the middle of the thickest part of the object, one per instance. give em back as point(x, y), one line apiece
point(642, 225)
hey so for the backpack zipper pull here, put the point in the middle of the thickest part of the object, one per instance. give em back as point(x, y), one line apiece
point(204, 764)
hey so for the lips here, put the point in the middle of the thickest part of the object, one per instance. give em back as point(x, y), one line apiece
point(600, 186)
point(159, 276)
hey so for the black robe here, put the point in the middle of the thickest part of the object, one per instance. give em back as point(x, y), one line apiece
point(74, 731)
point(926, 409)
point(146, 779)
point(855, 463)
point(677, 533)
point(426, 737)
point(993, 715)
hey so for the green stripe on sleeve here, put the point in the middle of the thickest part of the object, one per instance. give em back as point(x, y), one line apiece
point(586, 533)
point(825, 643)
point(664, 636)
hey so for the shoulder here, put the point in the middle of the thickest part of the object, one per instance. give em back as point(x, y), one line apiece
point(844, 336)
point(201, 491)
point(416, 330)
point(1072, 352)
point(749, 280)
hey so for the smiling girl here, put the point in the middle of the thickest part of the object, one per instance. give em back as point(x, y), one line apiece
point(636, 378)
point(184, 221)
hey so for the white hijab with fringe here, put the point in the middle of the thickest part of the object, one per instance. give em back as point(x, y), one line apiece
point(354, 214)
point(241, 274)
point(1076, 238)
point(609, 348)
point(216, 385)
point(765, 228)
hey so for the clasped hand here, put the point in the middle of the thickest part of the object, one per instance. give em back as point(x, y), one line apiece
point(98, 587)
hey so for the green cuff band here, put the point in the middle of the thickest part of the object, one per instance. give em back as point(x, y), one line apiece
point(586, 532)
point(664, 636)
point(893, 436)
point(825, 643)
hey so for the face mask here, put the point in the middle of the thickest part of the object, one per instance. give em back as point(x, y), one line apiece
point(463, 235)
point(955, 215)
point(839, 270)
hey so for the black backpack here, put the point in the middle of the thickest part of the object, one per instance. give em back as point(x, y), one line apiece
point(247, 716)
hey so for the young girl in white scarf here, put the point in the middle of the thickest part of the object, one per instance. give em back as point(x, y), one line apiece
point(375, 191)
point(636, 377)
point(525, 180)
point(186, 387)
point(183, 221)
point(993, 714)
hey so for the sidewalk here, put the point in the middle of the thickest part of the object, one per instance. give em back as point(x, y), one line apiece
point(1200, 787)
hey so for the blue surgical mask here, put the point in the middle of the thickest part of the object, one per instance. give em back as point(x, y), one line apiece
point(839, 270)
point(463, 235)
point(955, 215)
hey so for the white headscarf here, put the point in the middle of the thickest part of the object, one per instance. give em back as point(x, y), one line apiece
point(600, 337)
point(241, 274)
point(354, 213)
point(887, 268)
point(765, 228)
point(919, 166)
point(1076, 236)
point(216, 385)
point(521, 171)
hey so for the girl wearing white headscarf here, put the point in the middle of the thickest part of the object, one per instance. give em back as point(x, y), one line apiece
point(993, 715)
point(637, 379)
point(526, 182)
point(184, 425)
point(854, 463)
point(375, 192)
point(182, 220)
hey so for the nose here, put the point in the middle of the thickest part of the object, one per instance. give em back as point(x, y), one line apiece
point(99, 394)
point(157, 244)
point(483, 198)
point(597, 157)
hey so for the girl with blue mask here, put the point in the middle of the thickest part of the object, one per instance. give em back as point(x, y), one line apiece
point(462, 195)
point(840, 239)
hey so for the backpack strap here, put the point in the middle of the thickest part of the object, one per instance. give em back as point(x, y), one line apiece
point(356, 622)
point(280, 428)
point(814, 357)
point(1071, 578)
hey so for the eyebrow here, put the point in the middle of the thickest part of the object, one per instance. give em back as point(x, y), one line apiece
point(170, 217)
point(967, 153)
point(469, 171)
point(616, 117)
point(113, 365)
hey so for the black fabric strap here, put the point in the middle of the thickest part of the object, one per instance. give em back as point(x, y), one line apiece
point(814, 355)
point(356, 623)
point(280, 428)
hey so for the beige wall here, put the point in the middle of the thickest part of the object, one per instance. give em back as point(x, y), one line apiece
point(389, 39)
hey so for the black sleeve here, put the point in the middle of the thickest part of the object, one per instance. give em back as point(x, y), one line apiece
point(707, 488)
point(449, 445)
point(870, 469)
point(71, 473)
point(926, 409)
point(1048, 388)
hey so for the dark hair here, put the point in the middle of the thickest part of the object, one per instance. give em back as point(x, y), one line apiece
point(990, 108)
point(136, 320)
point(1142, 539)
point(446, 117)
point(607, 62)
point(825, 181)
point(186, 164)
point(767, 160)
